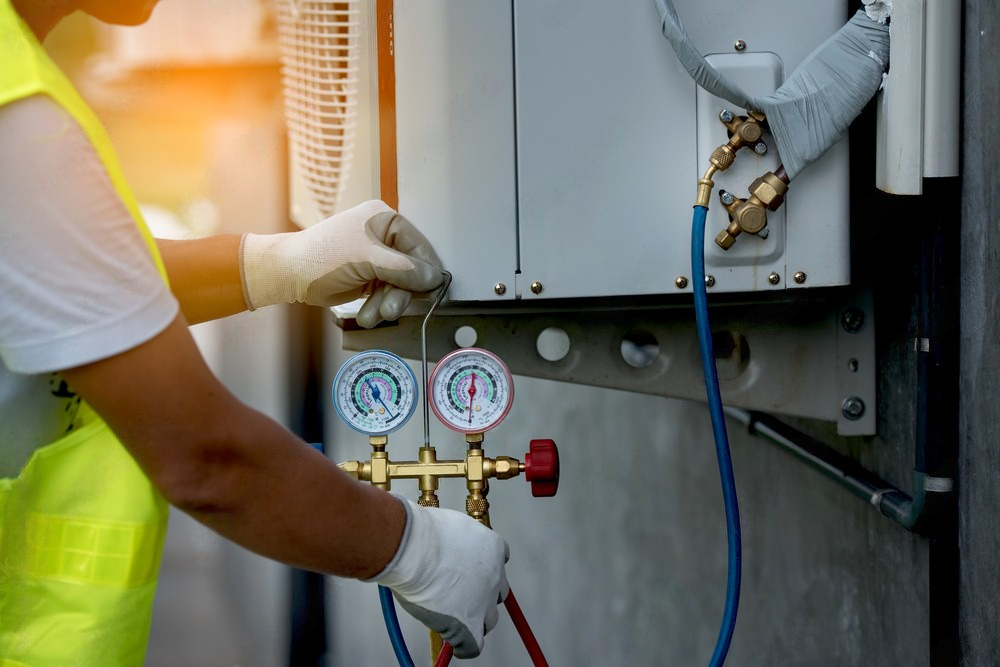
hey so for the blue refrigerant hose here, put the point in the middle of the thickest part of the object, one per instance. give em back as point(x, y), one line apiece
point(722, 451)
point(392, 626)
point(721, 437)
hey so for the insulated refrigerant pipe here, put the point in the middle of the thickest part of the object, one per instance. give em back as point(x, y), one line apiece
point(821, 97)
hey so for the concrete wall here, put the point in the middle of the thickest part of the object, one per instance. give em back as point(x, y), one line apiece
point(980, 380)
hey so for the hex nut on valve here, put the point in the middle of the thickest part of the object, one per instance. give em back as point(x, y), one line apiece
point(770, 190)
point(725, 240)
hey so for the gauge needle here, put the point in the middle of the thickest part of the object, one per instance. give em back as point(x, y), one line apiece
point(377, 395)
point(472, 394)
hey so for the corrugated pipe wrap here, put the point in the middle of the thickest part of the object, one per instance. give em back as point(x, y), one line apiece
point(821, 98)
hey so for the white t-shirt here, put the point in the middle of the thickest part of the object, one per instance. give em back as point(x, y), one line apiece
point(77, 283)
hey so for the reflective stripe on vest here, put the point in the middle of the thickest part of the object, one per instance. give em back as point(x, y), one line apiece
point(81, 527)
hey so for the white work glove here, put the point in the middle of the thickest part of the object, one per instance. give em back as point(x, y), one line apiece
point(369, 250)
point(449, 574)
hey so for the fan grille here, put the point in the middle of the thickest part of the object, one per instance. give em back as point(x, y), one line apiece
point(319, 55)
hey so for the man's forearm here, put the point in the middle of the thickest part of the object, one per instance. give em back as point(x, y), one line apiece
point(204, 276)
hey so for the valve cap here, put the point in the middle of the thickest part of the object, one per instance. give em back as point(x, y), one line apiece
point(541, 468)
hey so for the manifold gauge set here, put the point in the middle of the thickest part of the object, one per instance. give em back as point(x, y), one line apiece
point(470, 390)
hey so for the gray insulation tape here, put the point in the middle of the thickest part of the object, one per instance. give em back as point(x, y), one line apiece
point(821, 98)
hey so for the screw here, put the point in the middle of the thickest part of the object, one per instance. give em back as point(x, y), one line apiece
point(852, 365)
point(500, 289)
point(681, 282)
point(726, 116)
point(853, 408)
point(726, 197)
point(853, 320)
point(536, 287)
point(760, 148)
point(799, 277)
point(710, 281)
point(774, 278)
point(763, 233)
point(740, 46)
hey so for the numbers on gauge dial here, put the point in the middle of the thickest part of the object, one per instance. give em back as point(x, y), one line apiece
point(471, 390)
point(375, 392)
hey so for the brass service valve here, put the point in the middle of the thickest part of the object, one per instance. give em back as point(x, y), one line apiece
point(749, 215)
point(743, 131)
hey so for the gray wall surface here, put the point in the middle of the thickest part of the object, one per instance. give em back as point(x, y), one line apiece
point(980, 341)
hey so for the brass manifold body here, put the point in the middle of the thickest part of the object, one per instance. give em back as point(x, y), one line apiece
point(476, 468)
point(767, 192)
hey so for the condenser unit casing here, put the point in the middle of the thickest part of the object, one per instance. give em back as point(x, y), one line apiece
point(556, 145)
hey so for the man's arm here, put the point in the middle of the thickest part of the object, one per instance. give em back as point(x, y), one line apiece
point(204, 276)
point(234, 469)
point(335, 261)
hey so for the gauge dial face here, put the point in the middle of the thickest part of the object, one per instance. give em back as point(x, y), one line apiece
point(471, 390)
point(375, 392)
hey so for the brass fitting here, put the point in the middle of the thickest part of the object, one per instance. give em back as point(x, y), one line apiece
point(749, 215)
point(743, 131)
point(354, 469)
point(476, 468)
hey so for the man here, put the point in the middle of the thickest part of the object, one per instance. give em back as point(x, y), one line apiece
point(107, 409)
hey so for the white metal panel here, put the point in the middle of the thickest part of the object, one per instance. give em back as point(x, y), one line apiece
point(455, 137)
point(605, 119)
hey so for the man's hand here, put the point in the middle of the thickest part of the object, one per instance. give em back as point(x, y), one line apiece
point(449, 574)
point(369, 250)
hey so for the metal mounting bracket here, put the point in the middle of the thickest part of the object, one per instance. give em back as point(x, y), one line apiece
point(811, 358)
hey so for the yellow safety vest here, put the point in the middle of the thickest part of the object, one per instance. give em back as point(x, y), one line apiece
point(81, 528)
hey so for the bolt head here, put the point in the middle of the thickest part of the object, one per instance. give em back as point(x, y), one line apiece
point(774, 278)
point(499, 289)
point(681, 282)
point(853, 320)
point(726, 197)
point(760, 148)
point(853, 408)
point(536, 287)
point(726, 116)
point(764, 233)
point(740, 46)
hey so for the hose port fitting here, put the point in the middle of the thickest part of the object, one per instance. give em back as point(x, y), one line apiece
point(767, 193)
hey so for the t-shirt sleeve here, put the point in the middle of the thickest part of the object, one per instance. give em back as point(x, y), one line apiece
point(77, 281)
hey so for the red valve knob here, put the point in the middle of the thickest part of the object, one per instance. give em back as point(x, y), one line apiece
point(541, 468)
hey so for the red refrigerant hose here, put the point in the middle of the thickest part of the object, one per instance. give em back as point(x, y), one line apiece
point(523, 629)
